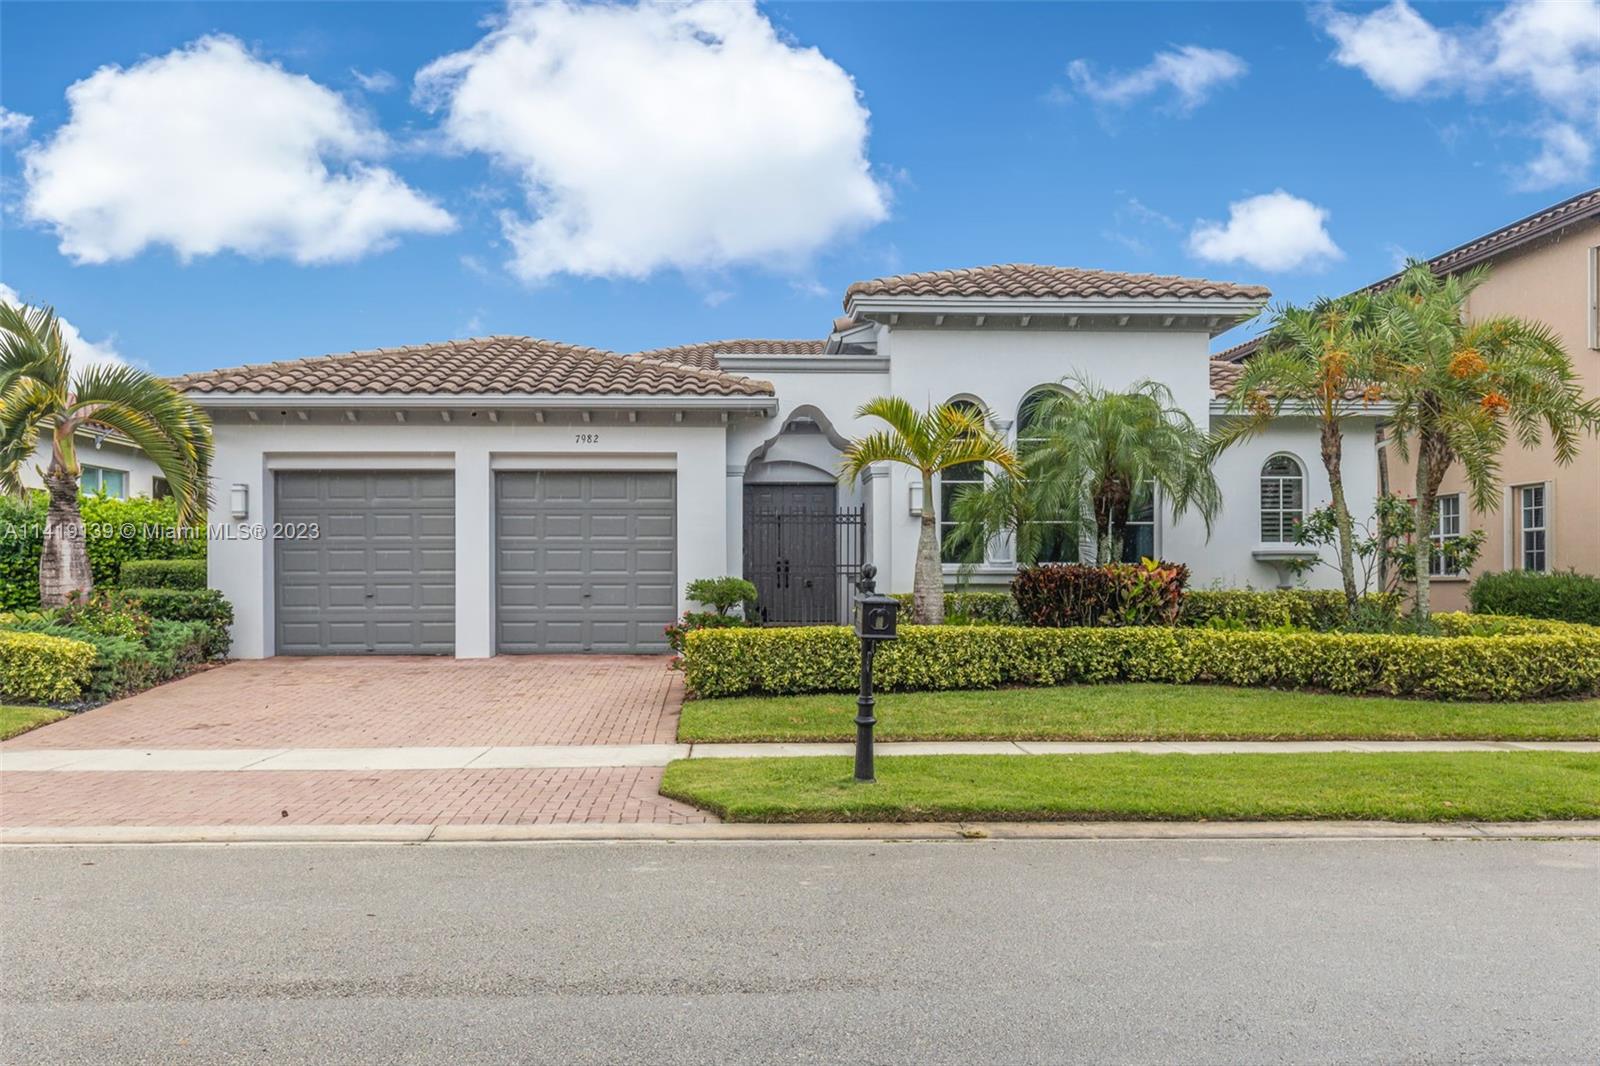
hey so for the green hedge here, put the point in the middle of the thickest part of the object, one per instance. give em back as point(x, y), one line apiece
point(1318, 609)
point(825, 659)
point(163, 574)
point(1566, 595)
point(41, 668)
point(122, 665)
point(117, 531)
point(189, 605)
point(960, 607)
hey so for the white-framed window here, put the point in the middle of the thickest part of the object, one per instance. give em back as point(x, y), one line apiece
point(1057, 541)
point(1283, 498)
point(1532, 528)
point(104, 479)
point(1446, 527)
point(953, 481)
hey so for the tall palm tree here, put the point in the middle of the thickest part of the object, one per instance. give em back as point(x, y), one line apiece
point(1462, 389)
point(1315, 359)
point(941, 437)
point(39, 394)
point(1094, 455)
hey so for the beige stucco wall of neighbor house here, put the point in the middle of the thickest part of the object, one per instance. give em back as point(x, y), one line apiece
point(1553, 282)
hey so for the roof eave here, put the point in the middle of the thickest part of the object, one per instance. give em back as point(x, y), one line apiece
point(480, 399)
point(1232, 309)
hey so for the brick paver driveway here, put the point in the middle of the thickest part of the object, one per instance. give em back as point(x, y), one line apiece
point(366, 703)
point(390, 702)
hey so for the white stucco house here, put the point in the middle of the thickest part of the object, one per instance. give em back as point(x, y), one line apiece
point(508, 495)
point(111, 463)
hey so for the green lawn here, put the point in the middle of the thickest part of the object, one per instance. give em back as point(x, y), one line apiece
point(15, 720)
point(1473, 786)
point(1135, 712)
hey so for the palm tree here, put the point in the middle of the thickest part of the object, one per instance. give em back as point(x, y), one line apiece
point(39, 395)
point(1313, 359)
point(941, 437)
point(1094, 455)
point(1460, 390)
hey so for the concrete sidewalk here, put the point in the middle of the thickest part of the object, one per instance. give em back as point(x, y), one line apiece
point(560, 756)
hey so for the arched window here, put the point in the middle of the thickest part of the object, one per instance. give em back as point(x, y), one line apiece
point(953, 481)
point(1283, 498)
point(1057, 543)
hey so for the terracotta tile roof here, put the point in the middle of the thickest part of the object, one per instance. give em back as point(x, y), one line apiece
point(1580, 208)
point(704, 354)
point(489, 366)
point(1225, 375)
point(1027, 281)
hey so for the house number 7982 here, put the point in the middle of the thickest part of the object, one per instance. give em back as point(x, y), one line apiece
point(587, 438)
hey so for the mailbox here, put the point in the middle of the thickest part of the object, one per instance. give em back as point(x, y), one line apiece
point(876, 616)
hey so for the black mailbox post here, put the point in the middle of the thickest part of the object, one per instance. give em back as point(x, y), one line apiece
point(876, 619)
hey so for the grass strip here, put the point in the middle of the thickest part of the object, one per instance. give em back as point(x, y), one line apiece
point(1460, 786)
point(1134, 712)
point(18, 720)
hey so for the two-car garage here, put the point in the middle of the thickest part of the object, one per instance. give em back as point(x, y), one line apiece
point(365, 561)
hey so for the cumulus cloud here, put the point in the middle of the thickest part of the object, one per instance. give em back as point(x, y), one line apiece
point(13, 124)
point(1274, 231)
point(1545, 50)
point(209, 149)
point(1190, 72)
point(659, 136)
point(85, 353)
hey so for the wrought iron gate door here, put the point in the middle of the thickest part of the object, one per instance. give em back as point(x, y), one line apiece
point(801, 551)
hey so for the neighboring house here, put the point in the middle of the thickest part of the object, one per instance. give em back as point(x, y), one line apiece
point(1545, 267)
point(512, 495)
point(111, 463)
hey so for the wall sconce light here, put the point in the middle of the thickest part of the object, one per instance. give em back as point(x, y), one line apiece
point(916, 499)
point(239, 497)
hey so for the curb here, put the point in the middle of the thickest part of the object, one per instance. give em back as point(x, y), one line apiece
point(32, 836)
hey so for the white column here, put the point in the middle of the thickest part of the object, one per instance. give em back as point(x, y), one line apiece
point(735, 505)
point(474, 553)
point(879, 493)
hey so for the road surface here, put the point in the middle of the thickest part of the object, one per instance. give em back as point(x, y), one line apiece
point(981, 951)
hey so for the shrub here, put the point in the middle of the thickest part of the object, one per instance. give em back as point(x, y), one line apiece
point(188, 605)
point(826, 659)
point(115, 532)
point(1118, 594)
point(1567, 595)
point(1322, 610)
point(121, 666)
point(41, 668)
point(163, 574)
point(103, 613)
point(965, 608)
point(693, 620)
point(721, 594)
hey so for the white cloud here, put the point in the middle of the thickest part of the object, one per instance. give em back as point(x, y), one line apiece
point(84, 353)
point(1189, 71)
point(1274, 231)
point(379, 81)
point(13, 124)
point(209, 149)
point(1546, 50)
point(687, 136)
point(1564, 158)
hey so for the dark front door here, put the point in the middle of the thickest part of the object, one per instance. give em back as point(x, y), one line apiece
point(791, 552)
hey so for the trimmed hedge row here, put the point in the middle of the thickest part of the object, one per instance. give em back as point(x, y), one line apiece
point(188, 605)
point(163, 574)
point(1566, 595)
point(41, 668)
point(121, 665)
point(1565, 662)
point(981, 607)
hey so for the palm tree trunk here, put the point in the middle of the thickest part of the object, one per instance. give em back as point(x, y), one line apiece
point(64, 560)
point(1333, 460)
point(927, 589)
point(1422, 531)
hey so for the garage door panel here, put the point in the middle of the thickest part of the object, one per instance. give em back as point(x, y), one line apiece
point(603, 573)
point(380, 575)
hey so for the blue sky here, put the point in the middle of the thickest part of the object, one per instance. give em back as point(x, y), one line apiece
point(246, 182)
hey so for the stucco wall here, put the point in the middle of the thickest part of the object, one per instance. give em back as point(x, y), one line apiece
point(140, 470)
point(1550, 283)
point(249, 454)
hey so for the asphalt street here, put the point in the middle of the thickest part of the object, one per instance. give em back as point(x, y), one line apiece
point(954, 952)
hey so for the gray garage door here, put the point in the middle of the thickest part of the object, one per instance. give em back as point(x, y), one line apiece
point(379, 576)
point(585, 561)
